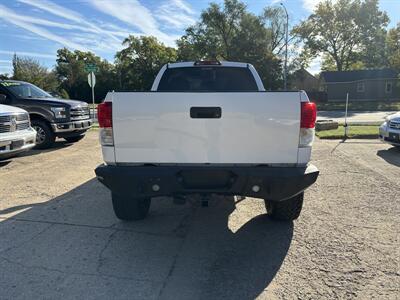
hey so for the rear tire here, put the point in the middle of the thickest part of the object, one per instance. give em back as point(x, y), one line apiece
point(74, 139)
point(287, 210)
point(128, 208)
point(45, 136)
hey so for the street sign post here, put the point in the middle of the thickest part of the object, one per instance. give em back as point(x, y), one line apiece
point(90, 67)
point(92, 83)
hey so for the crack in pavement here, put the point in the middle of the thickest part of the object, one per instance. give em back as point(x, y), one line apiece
point(76, 273)
point(92, 226)
point(28, 240)
point(182, 229)
point(100, 260)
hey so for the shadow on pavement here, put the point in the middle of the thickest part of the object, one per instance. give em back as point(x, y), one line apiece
point(4, 162)
point(74, 246)
point(391, 155)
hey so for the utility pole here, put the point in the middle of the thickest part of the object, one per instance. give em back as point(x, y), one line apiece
point(286, 46)
point(346, 126)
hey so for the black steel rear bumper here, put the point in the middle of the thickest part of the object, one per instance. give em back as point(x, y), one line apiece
point(274, 183)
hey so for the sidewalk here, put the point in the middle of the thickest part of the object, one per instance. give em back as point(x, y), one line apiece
point(354, 116)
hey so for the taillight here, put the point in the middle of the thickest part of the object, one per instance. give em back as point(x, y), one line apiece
point(104, 114)
point(308, 115)
point(307, 123)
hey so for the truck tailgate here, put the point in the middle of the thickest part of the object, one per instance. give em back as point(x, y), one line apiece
point(253, 127)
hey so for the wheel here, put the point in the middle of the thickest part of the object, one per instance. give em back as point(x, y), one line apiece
point(74, 139)
point(129, 209)
point(45, 137)
point(286, 210)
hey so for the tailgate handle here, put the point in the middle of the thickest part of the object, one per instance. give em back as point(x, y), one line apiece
point(205, 112)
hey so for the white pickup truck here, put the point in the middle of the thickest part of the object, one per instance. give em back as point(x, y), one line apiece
point(207, 128)
point(16, 133)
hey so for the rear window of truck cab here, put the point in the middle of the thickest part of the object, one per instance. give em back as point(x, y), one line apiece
point(207, 79)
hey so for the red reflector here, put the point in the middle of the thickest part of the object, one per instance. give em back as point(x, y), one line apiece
point(308, 115)
point(104, 114)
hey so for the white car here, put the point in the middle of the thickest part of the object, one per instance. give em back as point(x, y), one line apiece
point(207, 128)
point(389, 131)
point(16, 133)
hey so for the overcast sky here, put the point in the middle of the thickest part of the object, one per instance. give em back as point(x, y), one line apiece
point(37, 28)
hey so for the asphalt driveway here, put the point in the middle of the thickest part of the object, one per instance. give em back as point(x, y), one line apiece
point(60, 239)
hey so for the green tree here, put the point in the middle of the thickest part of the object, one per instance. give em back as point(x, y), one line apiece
point(30, 70)
point(70, 70)
point(254, 46)
point(328, 64)
point(373, 24)
point(346, 32)
point(393, 47)
point(230, 32)
point(139, 62)
point(214, 36)
point(273, 20)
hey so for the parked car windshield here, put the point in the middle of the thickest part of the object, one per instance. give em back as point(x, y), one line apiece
point(211, 79)
point(25, 90)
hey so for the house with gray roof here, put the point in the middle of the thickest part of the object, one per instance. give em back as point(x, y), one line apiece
point(362, 85)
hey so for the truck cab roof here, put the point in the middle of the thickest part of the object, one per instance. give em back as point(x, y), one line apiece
point(207, 66)
point(208, 63)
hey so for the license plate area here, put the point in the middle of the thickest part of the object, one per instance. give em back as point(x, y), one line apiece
point(83, 124)
point(16, 144)
point(394, 136)
point(205, 179)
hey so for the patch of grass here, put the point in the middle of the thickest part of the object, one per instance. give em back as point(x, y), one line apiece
point(91, 105)
point(360, 106)
point(363, 124)
point(354, 131)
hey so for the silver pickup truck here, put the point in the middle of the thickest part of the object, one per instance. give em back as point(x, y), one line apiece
point(16, 133)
